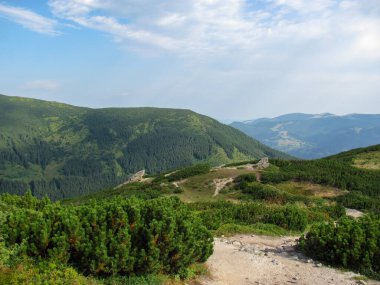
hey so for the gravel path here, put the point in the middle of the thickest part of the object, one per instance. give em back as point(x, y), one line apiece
point(249, 259)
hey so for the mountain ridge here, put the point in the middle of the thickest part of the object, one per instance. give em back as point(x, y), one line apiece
point(314, 135)
point(62, 150)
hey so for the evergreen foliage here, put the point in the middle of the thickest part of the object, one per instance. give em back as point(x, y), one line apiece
point(349, 243)
point(337, 171)
point(65, 151)
point(290, 217)
point(112, 237)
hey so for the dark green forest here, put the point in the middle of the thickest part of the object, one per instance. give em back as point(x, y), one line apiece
point(65, 151)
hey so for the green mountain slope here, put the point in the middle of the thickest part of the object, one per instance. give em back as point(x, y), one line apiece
point(65, 151)
point(366, 158)
point(327, 177)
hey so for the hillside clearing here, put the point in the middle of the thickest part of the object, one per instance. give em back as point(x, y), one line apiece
point(203, 187)
point(369, 160)
point(310, 189)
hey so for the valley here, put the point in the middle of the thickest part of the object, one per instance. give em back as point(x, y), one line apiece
point(311, 136)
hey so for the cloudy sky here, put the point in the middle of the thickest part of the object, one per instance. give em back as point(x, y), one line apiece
point(230, 59)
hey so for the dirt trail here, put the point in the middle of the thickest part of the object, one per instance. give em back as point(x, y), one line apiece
point(220, 184)
point(247, 259)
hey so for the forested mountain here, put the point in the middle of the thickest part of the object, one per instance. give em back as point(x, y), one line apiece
point(64, 151)
point(314, 136)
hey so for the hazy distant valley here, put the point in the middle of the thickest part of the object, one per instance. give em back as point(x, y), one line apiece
point(314, 136)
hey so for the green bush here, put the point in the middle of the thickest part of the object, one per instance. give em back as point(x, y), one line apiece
point(350, 243)
point(216, 214)
point(243, 180)
point(112, 237)
point(357, 200)
point(289, 217)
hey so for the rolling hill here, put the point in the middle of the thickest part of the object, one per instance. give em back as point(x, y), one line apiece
point(335, 176)
point(314, 136)
point(65, 151)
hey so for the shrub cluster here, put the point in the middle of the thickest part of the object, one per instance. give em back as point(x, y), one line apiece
point(269, 193)
point(357, 200)
point(110, 237)
point(242, 181)
point(350, 243)
point(216, 214)
point(182, 173)
point(336, 173)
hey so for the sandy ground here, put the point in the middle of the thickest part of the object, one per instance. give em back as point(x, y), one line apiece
point(250, 259)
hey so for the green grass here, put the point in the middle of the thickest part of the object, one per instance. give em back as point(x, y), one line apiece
point(259, 229)
point(137, 189)
point(201, 188)
point(136, 280)
point(309, 189)
point(360, 277)
point(370, 160)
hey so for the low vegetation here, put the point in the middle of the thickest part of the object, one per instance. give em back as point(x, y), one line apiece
point(336, 171)
point(103, 238)
point(347, 243)
point(141, 233)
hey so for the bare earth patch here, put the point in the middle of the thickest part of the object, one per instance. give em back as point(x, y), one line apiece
point(220, 184)
point(354, 213)
point(246, 259)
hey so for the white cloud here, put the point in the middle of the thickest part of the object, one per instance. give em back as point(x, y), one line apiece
point(29, 19)
point(220, 26)
point(42, 85)
point(277, 53)
point(306, 7)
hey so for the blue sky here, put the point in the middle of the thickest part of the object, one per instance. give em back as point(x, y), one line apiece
point(230, 59)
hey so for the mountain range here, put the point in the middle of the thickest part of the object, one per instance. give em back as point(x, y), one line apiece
point(314, 136)
point(63, 151)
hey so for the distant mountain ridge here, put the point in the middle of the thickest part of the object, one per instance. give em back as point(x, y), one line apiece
point(314, 135)
point(64, 151)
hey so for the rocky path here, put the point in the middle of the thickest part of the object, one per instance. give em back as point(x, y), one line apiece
point(249, 259)
point(219, 184)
